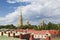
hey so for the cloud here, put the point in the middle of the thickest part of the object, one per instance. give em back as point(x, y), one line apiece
point(11, 1)
point(38, 9)
point(47, 9)
point(10, 17)
point(15, 1)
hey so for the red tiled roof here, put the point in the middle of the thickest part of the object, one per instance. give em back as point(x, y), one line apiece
point(52, 32)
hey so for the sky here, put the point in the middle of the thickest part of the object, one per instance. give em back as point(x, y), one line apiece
point(34, 10)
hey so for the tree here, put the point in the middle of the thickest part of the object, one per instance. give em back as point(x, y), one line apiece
point(8, 26)
point(49, 25)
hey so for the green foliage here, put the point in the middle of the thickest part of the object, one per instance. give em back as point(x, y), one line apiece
point(52, 26)
point(49, 26)
point(29, 27)
point(8, 26)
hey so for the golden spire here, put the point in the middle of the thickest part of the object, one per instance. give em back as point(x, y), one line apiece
point(43, 21)
point(42, 24)
point(20, 23)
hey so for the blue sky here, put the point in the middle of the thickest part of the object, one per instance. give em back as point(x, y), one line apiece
point(34, 10)
point(6, 7)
